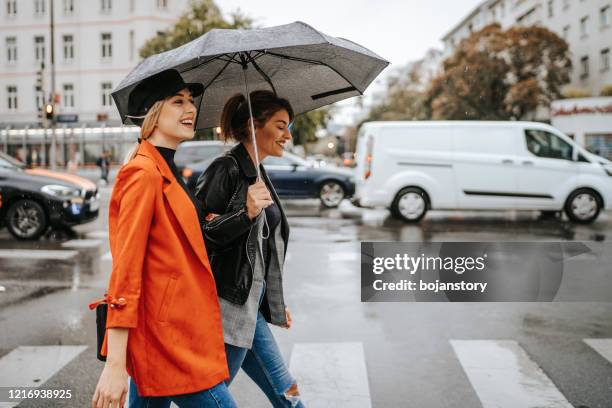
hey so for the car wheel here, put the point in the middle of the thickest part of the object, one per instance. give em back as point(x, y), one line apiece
point(410, 204)
point(583, 206)
point(26, 220)
point(331, 194)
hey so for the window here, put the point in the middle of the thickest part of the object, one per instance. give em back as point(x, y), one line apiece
point(107, 99)
point(39, 7)
point(132, 46)
point(39, 97)
point(106, 5)
point(566, 30)
point(604, 16)
point(68, 97)
point(68, 7)
point(584, 21)
point(68, 47)
point(39, 48)
point(11, 8)
point(605, 60)
point(545, 144)
point(162, 4)
point(11, 93)
point(551, 8)
point(11, 49)
point(584, 67)
point(107, 45)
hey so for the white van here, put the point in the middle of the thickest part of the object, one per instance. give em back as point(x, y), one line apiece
point(411, 167)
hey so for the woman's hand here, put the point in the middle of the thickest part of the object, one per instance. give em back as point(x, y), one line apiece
point(288, 318)
point(112, 387)
point(258, 198)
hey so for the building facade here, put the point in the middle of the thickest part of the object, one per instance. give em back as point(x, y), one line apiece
point(96, 43)
point(586, 25)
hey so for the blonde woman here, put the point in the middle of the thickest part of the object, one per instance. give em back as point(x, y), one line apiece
point(164, 323)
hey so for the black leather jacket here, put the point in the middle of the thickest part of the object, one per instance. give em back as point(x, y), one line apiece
point(231, 239)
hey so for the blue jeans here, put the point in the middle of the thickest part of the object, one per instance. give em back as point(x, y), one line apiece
point(264, 364)
point(215, 397)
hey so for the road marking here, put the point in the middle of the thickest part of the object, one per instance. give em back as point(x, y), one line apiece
point(504, 376)
point(82, 243)
point(107, 257)
point(331, 375)
point(29, 254)
point(343, 256)
point(32, 366)
point(101, 234)
point(602, 346)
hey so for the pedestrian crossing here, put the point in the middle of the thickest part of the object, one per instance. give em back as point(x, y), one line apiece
point(501, 372)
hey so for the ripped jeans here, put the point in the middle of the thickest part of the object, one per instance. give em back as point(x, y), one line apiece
point(265, 365)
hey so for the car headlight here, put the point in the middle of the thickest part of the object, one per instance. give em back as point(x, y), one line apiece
point(61, 191)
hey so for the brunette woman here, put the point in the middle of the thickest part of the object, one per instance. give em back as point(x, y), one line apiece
point(164, 323)
point(246, 234)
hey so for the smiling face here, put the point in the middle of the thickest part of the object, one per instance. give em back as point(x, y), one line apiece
point(177, 117)
point(272, 136)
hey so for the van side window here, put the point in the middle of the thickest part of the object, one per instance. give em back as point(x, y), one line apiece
point(546, 144)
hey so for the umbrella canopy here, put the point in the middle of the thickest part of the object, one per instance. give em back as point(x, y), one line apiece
point(297, 62)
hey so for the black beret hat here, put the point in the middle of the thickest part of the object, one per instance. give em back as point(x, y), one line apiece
point(156, 88)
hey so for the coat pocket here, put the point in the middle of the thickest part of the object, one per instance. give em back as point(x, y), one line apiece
point(167, 299)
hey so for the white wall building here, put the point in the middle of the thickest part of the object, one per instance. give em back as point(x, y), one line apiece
point(586, 120)
point(96, 45)
point(585, 24)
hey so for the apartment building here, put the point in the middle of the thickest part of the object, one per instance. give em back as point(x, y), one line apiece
point(96, 43)
point(585, 24)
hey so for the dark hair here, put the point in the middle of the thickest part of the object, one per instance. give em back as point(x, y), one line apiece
point(235, 116)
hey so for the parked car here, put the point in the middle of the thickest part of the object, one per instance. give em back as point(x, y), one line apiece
point(197, 151)
point(33, 200)
point(293, 177)
point(411, 167)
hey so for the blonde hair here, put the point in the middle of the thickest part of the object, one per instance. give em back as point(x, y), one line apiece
point(146, 130)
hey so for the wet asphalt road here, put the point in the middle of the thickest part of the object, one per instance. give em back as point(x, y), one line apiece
point(408, 356)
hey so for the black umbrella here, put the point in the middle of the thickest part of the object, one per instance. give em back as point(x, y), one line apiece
point(295, 61)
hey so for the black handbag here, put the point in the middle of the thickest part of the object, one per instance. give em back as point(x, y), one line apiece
point(101, 312)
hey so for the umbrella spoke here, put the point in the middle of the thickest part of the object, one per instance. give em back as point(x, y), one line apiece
point(262, 73)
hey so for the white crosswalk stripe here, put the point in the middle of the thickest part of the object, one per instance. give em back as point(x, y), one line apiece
point(343, 256)
point(504, 376)
point(602, 346)
point(58, 255)
point(331, 375)
point(107, 257)
point(32, 366)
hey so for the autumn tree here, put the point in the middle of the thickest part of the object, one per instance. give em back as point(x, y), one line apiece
point(500, 75)
point(201, 17)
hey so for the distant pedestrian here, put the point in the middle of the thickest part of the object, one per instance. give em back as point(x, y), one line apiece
point(104, 163)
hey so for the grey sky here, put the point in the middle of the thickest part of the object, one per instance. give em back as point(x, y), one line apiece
point(398, 30)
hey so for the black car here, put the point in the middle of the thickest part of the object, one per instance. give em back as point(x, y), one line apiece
point(293, 177)
point(31, 201)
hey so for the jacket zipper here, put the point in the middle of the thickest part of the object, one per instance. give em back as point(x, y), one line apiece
point(210, 225)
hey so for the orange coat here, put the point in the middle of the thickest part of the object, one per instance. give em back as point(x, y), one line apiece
point(161, 286)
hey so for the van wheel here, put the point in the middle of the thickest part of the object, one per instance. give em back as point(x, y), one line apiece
point(583, 206)
point(26, 220)
point(410, 204)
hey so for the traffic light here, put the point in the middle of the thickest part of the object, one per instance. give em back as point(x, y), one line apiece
point(49, 110)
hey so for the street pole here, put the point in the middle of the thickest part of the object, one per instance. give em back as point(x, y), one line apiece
point(52, 101)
